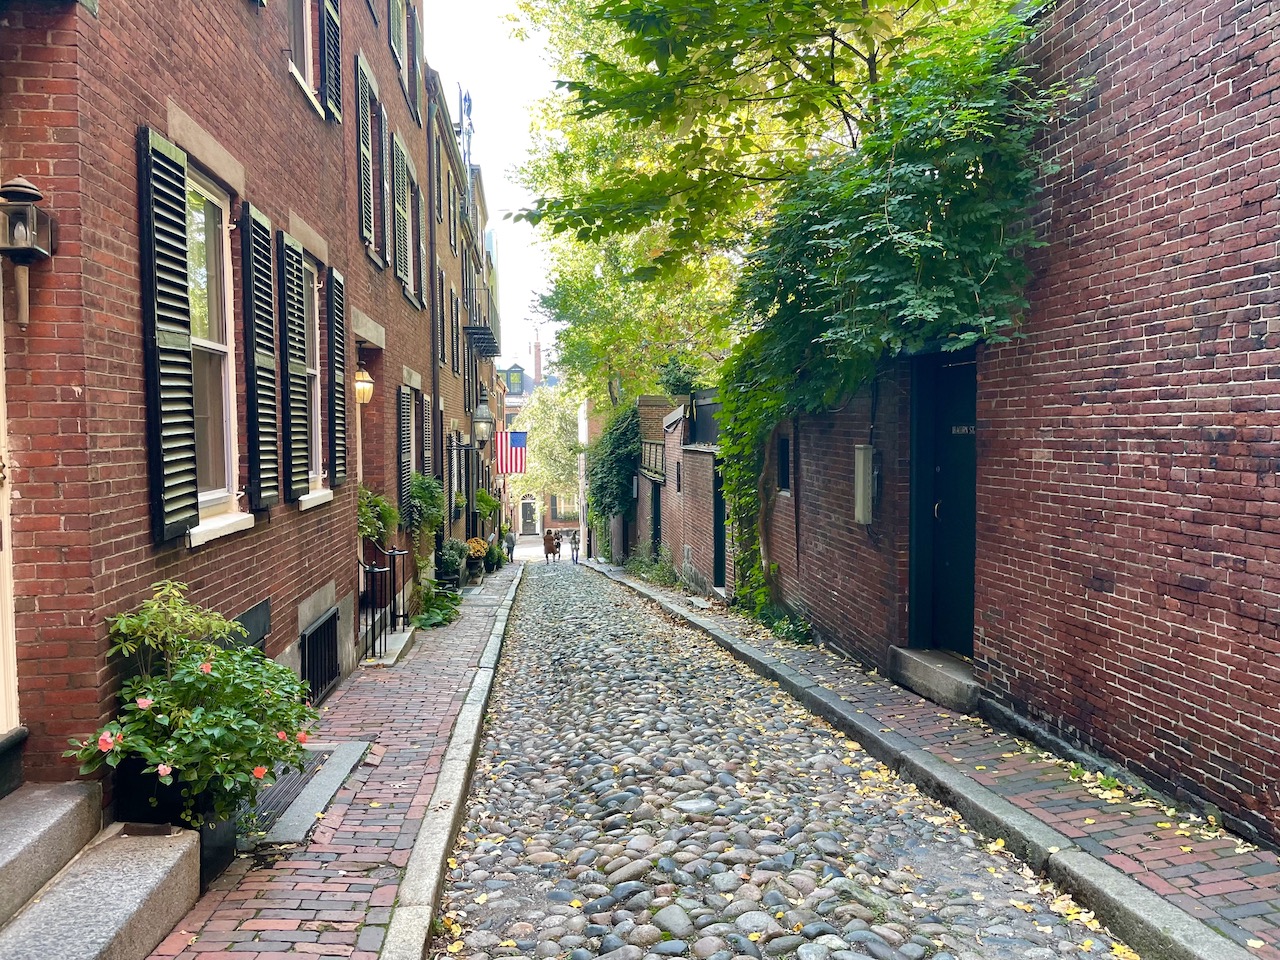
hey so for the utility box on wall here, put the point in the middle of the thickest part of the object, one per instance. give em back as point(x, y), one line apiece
point(864, 484)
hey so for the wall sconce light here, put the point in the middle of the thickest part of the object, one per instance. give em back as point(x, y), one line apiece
point(27, 235)
point(482, 421)
point(364, 385)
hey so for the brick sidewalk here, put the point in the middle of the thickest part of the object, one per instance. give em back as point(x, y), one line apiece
point(332, 896)
point(1230, 885)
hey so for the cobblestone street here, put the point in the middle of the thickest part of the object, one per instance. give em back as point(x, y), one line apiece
point(639, 793)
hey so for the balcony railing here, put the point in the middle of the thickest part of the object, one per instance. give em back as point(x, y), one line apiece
point(653, 459)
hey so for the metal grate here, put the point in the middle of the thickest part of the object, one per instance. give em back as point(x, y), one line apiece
point(275, 799)
point(320, 666)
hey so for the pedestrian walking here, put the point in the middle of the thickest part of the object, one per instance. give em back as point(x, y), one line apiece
point(573, 544)
point(549, 546)
point(509, 541)
point(558, 540)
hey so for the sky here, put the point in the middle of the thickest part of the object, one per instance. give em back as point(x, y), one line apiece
point(470, 44)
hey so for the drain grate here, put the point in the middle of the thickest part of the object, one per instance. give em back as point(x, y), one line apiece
point(275, 799)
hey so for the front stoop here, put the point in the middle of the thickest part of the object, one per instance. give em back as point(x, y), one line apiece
point(42, 826)
point(116, 901)
point(936, 675)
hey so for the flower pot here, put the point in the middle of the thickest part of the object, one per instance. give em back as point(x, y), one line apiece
point(134, 793)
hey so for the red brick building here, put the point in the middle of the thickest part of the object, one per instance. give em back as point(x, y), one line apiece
point(1088, 513)
point(181, 404)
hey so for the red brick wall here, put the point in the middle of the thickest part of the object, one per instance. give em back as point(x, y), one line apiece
point(1127, 479)
point(849, 581)
point(82, 539)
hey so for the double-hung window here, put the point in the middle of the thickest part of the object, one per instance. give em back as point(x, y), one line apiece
point(311, 308)
point(301, 30)
point(212, 349)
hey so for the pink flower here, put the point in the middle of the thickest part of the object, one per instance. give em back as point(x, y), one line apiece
point(163, 769)
point(144, 702)
point(282, 735)
point(302, 736)
point(259, 772)
point(119, 739)
point(105, 742)
point(206, 667)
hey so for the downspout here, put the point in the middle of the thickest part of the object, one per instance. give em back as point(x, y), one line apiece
point(437, 432)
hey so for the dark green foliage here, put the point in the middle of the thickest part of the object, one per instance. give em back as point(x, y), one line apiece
point(913, 242)
point(677, 377)
point(612, 462)
point(439, 607)
point(486, 504)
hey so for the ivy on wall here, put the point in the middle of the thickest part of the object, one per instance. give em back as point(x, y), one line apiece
point(612, 462)
point(912, 242)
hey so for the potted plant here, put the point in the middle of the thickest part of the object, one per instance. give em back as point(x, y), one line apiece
point(453, 554)
point(422, 516)
point(205, 722)
point(476, 550)
point(376, 517)
point(494, 558)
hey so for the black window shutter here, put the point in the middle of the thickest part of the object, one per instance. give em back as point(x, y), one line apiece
point(364, 123)
point(260, 359)
point(404, 440)
point(424, 281)
point(440, 342)
point(331, 60)
point(337, 379)
point(293, 363)
point(401, 195)
point(435, 153)
point(426, 436)
point(166, 325)
point(387, 234)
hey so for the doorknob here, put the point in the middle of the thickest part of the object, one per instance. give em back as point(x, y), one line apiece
point(936, 505)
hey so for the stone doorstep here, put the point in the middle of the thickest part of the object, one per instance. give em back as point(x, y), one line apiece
point(115, 901)
point(936, 675)
point(398, 644)
point(42, 828)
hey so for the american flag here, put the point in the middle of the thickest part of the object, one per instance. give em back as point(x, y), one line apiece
point(511, 451)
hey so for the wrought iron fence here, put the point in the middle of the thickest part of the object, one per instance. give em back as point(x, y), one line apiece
point(382, 609)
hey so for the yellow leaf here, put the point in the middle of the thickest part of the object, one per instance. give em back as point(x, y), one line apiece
point(977, 896)
point(1123, 952)
point(456, 946)
point(375, 803)
point(575, 903)
point(1254, 944)
point(483, 898)
point(1087, 945)
point(453, 864)
point(753, 937)
point(1090, 820)
point(1186, 849)
point(1164, 825)
point(507, 943)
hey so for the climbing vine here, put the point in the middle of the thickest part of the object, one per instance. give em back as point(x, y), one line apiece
point(612, 462)
point(913, 241)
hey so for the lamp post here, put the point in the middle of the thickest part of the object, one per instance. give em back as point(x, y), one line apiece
point(27, 236)
point(482, 421)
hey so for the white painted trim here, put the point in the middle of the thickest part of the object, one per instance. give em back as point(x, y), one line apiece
point(314, 499)
point(223, 525)
point(311, 94)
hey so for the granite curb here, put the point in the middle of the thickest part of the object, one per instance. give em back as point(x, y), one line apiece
point(410, 927)
point(1156, 928)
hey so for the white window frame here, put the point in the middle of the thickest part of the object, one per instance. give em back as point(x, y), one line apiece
point(315, 449)
point(215, 502)
point(306, 69)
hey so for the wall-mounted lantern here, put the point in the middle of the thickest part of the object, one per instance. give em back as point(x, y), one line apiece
point(482, 421)
point(364, 385)
point(27, 236)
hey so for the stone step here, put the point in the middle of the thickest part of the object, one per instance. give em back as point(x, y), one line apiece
point(936, 675)
point(42, 827)
point(116, 901)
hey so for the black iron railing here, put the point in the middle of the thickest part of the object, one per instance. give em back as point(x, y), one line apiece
point(320, 665)
point(653, 459)
point(382, 609)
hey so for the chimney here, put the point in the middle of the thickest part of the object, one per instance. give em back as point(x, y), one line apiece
point(537, 363)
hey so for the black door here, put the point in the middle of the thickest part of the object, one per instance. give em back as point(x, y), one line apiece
point(655, 518)
point(528, 518)
point(718, 531)
point(943, 507)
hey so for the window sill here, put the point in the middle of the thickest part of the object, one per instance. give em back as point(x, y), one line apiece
point(411, 296)
point(785, 493)
point(214, 528)
point(314, 499)
point(306, 89)
point(373, 255)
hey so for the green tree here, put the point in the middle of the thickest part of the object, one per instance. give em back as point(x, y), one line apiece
point(550, 418)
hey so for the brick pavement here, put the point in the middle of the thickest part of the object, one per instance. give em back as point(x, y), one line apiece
point(332, 897)
point(1232, 886)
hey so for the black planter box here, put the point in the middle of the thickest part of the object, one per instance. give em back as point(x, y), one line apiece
point(134, 792)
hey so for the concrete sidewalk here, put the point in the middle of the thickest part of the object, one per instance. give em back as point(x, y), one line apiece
point(1173, 885)
point(373, 847)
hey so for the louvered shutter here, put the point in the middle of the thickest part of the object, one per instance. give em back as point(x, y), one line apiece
point(395, 14)
point(440, 340)
point(424, 280)
point(364, 123)
point(387, 233)
point(331, 60)
point(293, 364)
point(337, 348)
point(439, 190)
point(404, 440)
point(426, 436)
point(400, 187)
point(166, 336)
point(260, 359)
